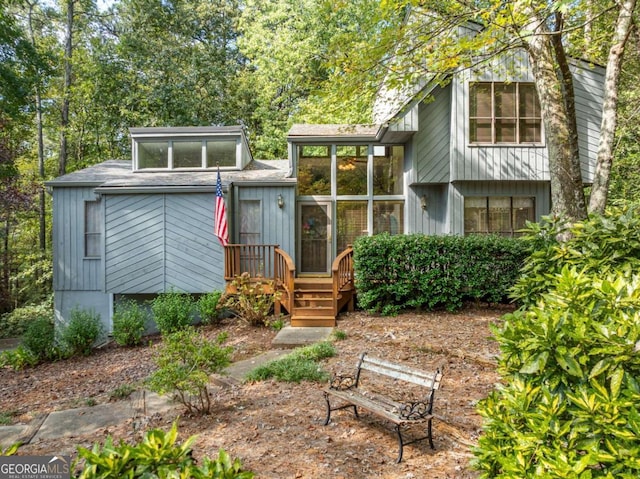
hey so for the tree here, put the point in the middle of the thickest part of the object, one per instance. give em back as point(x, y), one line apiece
point(424, 47)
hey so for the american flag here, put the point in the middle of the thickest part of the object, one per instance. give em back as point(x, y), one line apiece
point(221, 229)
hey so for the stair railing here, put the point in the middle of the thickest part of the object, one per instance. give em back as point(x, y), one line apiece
point(285, 274)
point(343, 280)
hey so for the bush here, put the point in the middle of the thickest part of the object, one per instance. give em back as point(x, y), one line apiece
point(602, 244)
point(18, 358)
point(82, 331)
point(253, 301)
point(207, 306)
point(15, 323)
point(417, 271)
point(185, 360)
point(39, 338)
point(129, 319)
point(299, 365)
point(157, 455)
point(172, 311)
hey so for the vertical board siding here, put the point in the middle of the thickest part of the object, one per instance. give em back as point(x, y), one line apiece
point(71, 270)
point(433, 141)
point(433, 220)
point(158, 242)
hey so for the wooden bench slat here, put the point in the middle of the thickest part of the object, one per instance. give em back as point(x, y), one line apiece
point(415, 376)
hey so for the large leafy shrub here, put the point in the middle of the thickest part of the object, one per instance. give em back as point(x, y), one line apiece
point(129, 320)
point(207, 305)
point(156, 456)
point(39, 338)
point(82, 331)
point(603, 244)
point(185, 360)
point(172, 311)
point(252, 301)
point(570, 361)
point(16, 322)
point(418, 271)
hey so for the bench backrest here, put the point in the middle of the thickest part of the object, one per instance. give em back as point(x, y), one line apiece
point(399, 371)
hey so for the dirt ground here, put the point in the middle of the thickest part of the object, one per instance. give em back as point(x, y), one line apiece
point(276, 429)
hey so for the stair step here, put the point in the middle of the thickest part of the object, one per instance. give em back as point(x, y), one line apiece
point(311, 311)
point(311, 321)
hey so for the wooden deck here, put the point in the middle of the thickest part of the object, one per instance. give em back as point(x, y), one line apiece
point(311, 302)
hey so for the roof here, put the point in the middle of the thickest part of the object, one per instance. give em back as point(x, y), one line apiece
point(118, 174)
point(186, 131)
point(327, 132)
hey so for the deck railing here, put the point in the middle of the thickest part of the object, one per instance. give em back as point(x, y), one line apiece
point(343, 280)
point(262, 261)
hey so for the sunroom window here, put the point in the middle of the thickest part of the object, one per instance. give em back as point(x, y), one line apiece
point(504, 113)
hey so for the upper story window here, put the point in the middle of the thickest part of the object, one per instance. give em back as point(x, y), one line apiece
point(504, 113)
point(189, 148)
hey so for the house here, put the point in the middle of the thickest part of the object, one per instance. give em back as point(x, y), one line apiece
point(462, 158)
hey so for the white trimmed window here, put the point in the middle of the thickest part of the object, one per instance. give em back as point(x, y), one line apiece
point(92, 230)
point(504, 113)
point(501, 215)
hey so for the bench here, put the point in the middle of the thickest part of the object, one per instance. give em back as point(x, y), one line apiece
point(396, 380)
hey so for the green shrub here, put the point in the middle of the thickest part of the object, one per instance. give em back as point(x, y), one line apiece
point(11, 450)
point(417, 271)
point(252, 301)
point(15, 323)
point(82, 331)
point(300, 365)
point(129, 320)
point(18, 358)
point(172, 311)
point(185, 360)
point(603, 244)
point(39, 338)
point(122, 392)
point(157, 455)
point(207, 306)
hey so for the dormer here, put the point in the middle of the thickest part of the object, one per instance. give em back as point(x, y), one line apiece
point(201, 148)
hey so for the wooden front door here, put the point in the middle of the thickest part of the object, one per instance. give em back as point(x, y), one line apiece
point(314, 233)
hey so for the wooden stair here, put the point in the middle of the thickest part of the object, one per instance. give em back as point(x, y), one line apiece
point(313, 304)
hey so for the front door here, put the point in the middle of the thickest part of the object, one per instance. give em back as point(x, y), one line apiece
point(315, 252)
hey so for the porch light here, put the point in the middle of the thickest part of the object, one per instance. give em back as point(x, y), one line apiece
point(280, 201)
point(423, 202)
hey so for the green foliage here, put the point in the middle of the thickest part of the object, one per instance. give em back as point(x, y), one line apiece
point(129, 320)
point(207, 306)
point(185, 360)
point(252, 301)
point(339, 335)
point(18, 358)
point(172, 311)
point(11, 450)
point(418, 271)
point(16, 322)
point(157, 455)
point(570, 369)
point(122, 392)
point(299, 365)
point(39, 338)
point(601, 245)
point(82, 331)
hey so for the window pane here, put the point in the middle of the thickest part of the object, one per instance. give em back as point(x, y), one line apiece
point(500, 215)
point(187, 154)
point(314, 171)
point(387, 170)
point(480, 131)
point(475, 215)
point(250, 222)
point(388, 216)
point(505, 100)
point(153, 154)
point(530, 131)
point(221, 152)
point(352, 170)
point(480, 104)
point(92, 229)
point(505, 131)
point(352, 222)
point(529, 104)
point(523, 211)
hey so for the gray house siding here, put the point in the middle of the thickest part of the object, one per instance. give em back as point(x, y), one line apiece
point(589, 91)
point(433, 219)
point(158, 242)
point(432, 142)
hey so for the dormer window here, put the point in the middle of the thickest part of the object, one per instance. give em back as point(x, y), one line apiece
point(504, 113)
point(197, 148)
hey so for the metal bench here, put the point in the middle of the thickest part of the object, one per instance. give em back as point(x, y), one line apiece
point(396, 379)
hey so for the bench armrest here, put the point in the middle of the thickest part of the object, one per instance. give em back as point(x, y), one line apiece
point(415, 410)
point(342, 382)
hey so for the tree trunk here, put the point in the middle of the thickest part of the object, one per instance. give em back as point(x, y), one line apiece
point(66, 92)
point(600, 188)
point(553, 84)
